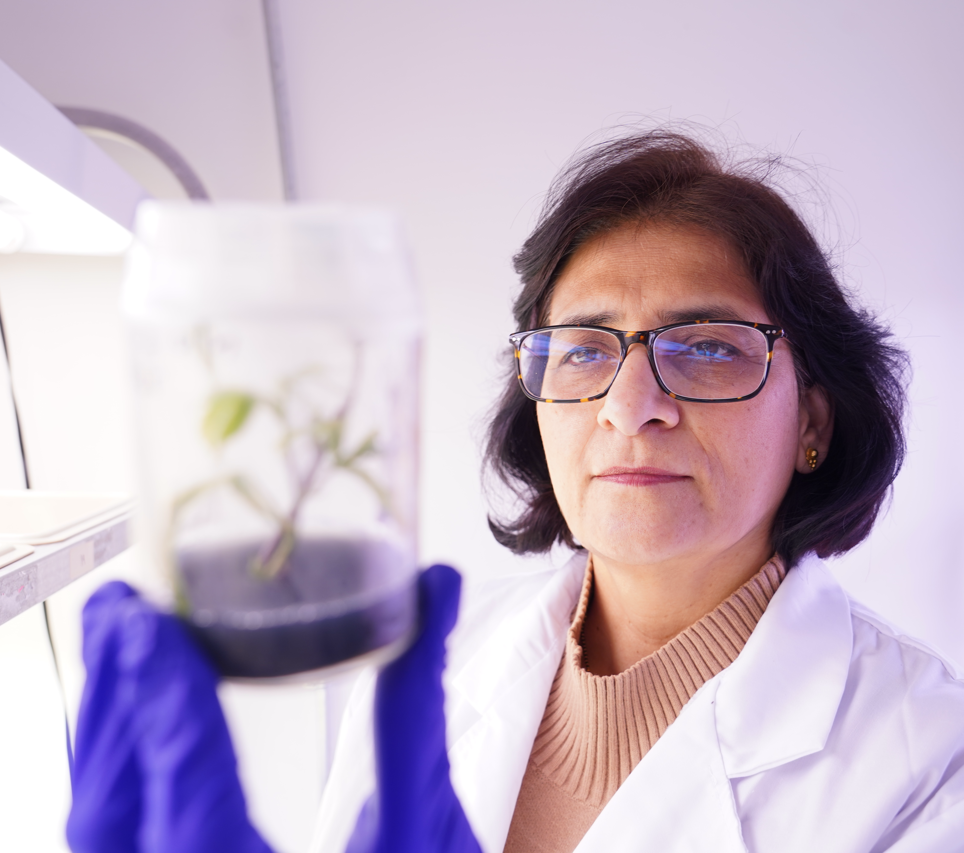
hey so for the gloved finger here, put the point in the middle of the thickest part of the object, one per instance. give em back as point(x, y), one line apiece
point(106, 810)
point(193, 800)
point(98, 620)
point(416, 807)
point(440, 588)
point(409, 691)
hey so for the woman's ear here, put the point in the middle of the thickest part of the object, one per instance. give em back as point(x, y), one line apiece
point(816, 428)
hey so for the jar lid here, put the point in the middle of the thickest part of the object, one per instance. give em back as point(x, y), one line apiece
point(192, 260)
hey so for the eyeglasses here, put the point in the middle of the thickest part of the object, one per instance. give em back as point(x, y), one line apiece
point(707, 361)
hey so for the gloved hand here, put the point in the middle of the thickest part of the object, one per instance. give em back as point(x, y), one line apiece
point(415, 809)
point(154, 769)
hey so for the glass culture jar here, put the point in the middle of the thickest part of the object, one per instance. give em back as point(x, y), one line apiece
point(276, 362)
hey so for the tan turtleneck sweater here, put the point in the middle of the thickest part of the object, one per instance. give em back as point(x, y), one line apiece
point(596, 729)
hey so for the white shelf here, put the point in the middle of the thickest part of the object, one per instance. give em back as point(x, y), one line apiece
point(50, 568)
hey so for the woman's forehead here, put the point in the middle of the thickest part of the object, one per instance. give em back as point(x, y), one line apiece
point(657, 274)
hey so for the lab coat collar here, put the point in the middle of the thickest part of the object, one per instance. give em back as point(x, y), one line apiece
point(775, 703)
point(507, 682)
point(524, 641)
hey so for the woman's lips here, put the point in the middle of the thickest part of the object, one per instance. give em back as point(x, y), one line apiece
point(639, 476)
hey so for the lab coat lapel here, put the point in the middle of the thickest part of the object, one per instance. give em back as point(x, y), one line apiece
point(778, 700)
point(678, 798)
point(507, 682)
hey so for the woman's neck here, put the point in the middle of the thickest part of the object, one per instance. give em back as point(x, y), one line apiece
point(636, 610)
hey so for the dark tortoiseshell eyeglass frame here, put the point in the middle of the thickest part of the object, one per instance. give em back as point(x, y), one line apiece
point(648, 338)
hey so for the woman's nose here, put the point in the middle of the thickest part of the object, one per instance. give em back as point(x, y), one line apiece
point(636, 398)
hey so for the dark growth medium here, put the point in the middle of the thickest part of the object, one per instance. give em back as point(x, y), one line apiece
point(334, 600)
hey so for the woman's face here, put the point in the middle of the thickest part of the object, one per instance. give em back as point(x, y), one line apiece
point(642, 478)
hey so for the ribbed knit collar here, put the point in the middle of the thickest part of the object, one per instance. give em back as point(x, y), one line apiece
point(597, 728)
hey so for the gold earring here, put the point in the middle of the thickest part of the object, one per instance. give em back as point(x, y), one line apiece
point(812, 455)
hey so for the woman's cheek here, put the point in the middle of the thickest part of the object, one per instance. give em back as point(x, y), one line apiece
point(564, 441)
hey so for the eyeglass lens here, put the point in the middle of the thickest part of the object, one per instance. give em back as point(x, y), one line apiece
point(702, 361)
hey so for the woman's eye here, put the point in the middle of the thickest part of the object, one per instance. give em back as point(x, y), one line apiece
point(714, 351)
point(585, 355)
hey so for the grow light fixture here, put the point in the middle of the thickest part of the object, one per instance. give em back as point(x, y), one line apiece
point(59, 193)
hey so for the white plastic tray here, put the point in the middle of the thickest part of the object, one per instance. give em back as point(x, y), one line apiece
point(29, 517)
point(11, 553)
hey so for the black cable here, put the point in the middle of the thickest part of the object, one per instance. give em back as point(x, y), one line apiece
point(26, 480)
point(13, 400)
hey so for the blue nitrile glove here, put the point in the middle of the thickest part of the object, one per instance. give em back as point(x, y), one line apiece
point(415, 809)
point(154, 769)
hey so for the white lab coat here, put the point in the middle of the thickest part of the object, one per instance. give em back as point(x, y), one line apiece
point(831, 732)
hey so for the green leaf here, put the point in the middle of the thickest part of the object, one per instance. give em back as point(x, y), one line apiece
point(226, 414)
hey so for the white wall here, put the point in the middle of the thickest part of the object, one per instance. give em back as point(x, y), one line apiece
point(458, 115)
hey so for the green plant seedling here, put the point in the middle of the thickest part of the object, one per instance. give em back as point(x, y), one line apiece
point(227, 413)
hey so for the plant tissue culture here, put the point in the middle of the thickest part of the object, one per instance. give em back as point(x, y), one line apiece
point(276, 377)
point(282, 601)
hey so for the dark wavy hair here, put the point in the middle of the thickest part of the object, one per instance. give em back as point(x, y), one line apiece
point(667, 177)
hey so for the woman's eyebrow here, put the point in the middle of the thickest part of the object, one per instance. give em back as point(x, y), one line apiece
point(690, 314)
point(606, 319)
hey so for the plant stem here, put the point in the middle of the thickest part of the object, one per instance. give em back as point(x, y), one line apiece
point(273, 556)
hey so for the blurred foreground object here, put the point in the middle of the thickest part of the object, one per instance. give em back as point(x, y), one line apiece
point(154, 767)
point(276, 373)
point(415, 809)
point(155, 770)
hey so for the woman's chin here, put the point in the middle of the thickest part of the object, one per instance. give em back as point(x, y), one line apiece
point(640, 541)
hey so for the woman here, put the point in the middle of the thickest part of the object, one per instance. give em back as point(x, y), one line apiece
point(696, 408)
